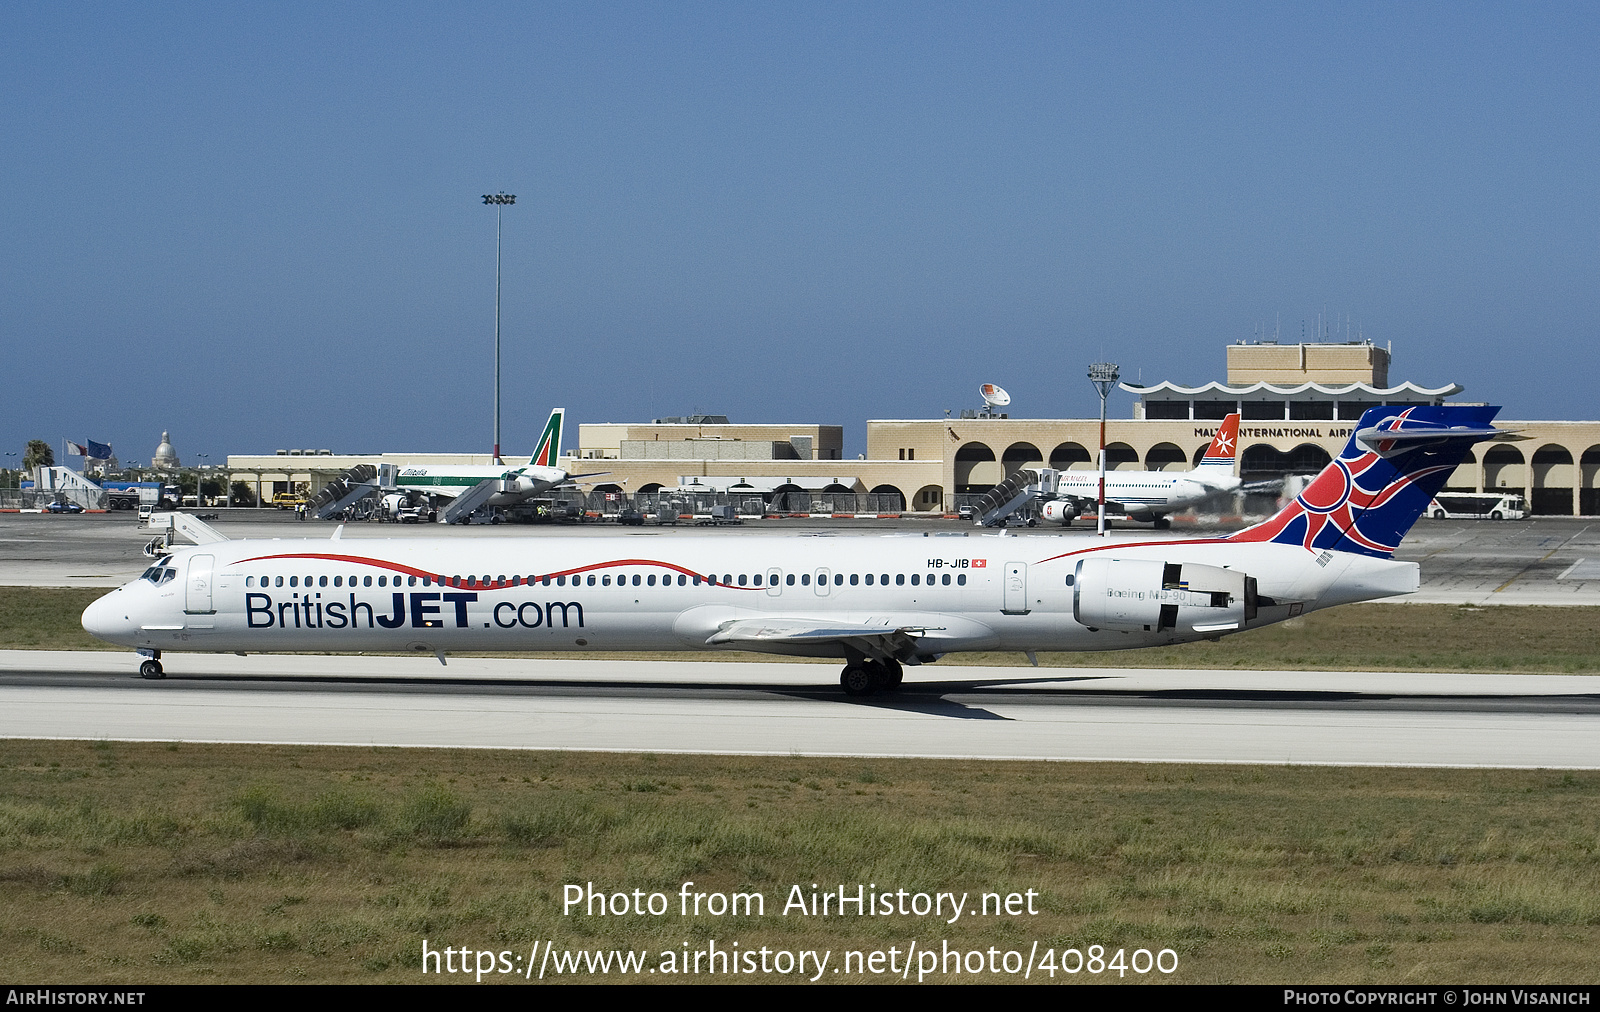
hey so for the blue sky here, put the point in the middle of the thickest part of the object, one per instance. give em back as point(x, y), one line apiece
point(260, 226)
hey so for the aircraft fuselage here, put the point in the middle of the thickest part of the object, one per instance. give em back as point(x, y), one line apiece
point(960, 593)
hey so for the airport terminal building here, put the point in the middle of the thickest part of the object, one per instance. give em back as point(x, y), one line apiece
point(1298, 405)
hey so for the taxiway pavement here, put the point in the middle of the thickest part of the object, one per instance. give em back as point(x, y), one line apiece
point(1141, 715)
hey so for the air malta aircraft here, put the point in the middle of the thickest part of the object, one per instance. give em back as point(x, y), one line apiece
point(1150, 495)
point(493, 484)
point(876, 602)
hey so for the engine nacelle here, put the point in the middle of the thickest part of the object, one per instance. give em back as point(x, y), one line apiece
point(1137, 595)
point(1060, 511)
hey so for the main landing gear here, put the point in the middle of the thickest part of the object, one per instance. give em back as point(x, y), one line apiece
point(864, 677)
point(151, 668)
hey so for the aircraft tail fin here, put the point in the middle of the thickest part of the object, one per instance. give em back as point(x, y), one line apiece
point(1224, 448)
point(1368, 497)
point(549, 452)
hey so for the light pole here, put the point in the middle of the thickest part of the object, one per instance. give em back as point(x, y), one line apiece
point(1103, 375)
point(500, 201)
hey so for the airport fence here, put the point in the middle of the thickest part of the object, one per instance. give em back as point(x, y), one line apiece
point(837, 502)
point(28, 499)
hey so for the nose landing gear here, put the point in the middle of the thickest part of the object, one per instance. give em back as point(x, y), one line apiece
point(864, 677)
point(151, 668)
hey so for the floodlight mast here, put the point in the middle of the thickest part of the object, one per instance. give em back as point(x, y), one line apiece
point(1103, 375)
point(500, 200)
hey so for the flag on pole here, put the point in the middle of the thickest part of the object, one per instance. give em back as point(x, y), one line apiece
point(77, 449)
point(99, 451)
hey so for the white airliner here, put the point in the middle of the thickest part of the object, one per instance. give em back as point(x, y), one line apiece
point(494, 484)
point(1150, 495)
point(876, 602)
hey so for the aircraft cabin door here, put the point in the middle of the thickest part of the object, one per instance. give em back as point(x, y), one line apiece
point(197, 599)
point(1015, 589)
point(823, 578)
point(774, 582)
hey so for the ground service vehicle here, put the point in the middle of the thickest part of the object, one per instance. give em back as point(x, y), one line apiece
point(1477, 505)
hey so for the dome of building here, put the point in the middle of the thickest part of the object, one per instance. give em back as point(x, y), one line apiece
point(166, 458)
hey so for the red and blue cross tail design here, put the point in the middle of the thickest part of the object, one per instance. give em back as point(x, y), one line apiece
point(1367, 499)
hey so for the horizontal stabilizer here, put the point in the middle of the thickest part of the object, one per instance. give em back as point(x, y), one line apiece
point(1381, 438)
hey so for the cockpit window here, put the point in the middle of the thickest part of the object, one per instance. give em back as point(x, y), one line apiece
point(159, 574)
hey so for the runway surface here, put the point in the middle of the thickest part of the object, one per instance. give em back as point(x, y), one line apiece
point(1154, 715)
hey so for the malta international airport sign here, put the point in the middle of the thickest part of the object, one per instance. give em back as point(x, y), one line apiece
point(1281, 432)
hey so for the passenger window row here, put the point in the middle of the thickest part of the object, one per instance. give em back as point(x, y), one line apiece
point(604, 580)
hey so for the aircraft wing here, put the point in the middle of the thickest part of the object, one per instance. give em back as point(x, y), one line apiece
point(571, 480)
point(879, 642)
point(1083, 505)
point(1088, 505)
point(1270, 486)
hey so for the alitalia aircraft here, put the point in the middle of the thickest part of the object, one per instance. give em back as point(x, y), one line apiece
point(878, 603)
point(494, 484)
point(1150, 495)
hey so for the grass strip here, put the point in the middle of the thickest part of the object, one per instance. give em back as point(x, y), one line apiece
point(150, 863)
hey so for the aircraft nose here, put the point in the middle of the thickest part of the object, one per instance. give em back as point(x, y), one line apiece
point(107, 618)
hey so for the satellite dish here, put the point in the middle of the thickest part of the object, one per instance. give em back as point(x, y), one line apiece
point(994, 396)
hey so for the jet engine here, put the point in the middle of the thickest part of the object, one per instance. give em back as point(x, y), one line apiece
point(1138, 595)
point(1061, 511)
